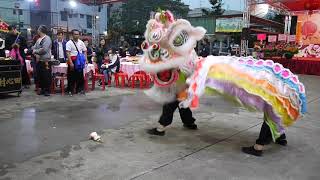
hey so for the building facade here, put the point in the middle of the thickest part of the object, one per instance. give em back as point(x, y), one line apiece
point(15, 12)
point(56, 14)
point(81, 16)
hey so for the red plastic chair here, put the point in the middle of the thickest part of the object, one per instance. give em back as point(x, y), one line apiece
point(141, 76)
point(53, 85)
point(86, 80)
point(148, 80)
point(117, 76)
point(97, 76)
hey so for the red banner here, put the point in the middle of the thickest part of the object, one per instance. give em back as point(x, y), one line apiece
point(308, 28)
point(261, 37)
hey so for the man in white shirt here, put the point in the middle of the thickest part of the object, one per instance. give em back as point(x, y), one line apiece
point(75, 76)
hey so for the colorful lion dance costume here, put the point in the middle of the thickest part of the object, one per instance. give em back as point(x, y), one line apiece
point(179, 73)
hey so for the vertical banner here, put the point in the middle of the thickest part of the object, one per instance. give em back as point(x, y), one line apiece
point(272, 38)
point(299, 32)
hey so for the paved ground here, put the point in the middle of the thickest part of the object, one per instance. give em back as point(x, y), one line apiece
point(46, 138)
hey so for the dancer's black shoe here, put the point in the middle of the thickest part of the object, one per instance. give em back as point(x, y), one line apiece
point(282, 140)
point(154, 131)
point(191, 126)
point(250, 150)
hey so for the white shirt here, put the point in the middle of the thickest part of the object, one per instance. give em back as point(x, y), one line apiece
point(72, 48)
point(40, 39)
point(60, 49)
point(113, 58)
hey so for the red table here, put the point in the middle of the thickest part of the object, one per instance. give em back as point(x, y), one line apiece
point(309, 66)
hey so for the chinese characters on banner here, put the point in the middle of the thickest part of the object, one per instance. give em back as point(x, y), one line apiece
point(4, 82)
point(10, 81)
point(272, 38)
point(282, 37)
point(292, 38)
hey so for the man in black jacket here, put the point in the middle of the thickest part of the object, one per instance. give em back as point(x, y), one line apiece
point(14, 37)
point(59, 48)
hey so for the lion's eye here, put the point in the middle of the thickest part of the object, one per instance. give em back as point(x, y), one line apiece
point(164, 54)
point(155, 36)
point(181, 39)
point(155, 54)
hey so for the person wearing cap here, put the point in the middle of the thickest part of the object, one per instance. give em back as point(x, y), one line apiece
point(42, 51)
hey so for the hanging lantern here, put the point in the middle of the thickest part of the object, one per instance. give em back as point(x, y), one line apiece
point(311, 6)
point(307, 5)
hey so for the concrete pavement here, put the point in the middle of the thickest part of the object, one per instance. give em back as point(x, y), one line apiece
point(41, 138)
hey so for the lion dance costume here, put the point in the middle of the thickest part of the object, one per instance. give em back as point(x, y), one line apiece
point(256, 84)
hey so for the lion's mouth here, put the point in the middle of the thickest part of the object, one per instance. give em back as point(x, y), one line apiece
point(166, 77)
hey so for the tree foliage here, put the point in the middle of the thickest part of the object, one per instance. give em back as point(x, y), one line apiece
point(216, 8)
point(134, 14)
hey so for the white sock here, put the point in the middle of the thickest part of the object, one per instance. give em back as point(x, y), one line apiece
point(161, 128)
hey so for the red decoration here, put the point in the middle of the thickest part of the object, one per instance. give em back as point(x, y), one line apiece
point(155, 47)
point(165, 76)
point(262, 37)
point(302, 5)
point(3, 26)
point(145, 45)
point(307, 6)
point(309, 29)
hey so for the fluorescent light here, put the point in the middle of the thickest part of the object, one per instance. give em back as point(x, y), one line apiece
point(72, 3)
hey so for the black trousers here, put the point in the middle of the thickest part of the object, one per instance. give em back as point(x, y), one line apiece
point(25, 75)
point(62, 60)
point(265, 136)
point(35, 66)
point(75, 77)
point(44, 76)
point(168, 111)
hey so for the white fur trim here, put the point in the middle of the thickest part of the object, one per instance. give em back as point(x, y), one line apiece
point(162, 95)
point(194, 34)
point(158, 67)
point(199, 33)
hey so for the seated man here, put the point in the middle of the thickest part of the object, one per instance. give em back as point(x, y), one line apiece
point(113, 66)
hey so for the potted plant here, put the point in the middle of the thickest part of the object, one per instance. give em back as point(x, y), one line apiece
point(269, 51)
point(290, 51)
